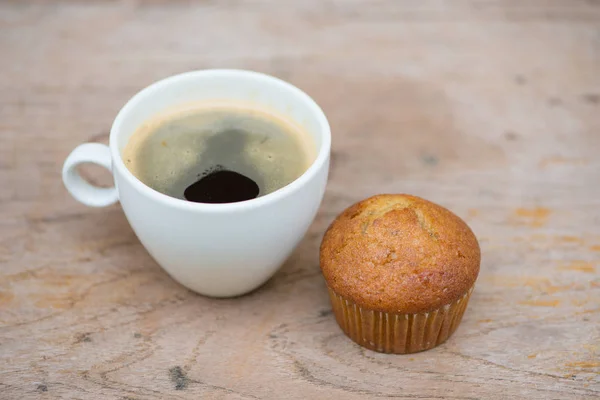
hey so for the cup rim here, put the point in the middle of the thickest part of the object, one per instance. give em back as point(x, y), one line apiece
point(294, 186)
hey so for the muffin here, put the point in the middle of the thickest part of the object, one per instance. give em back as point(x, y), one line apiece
point(400, 271)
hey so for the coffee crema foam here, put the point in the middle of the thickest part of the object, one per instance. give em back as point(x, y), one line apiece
point(173, 151)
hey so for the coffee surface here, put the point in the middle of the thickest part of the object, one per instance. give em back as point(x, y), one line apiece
point(218, 153)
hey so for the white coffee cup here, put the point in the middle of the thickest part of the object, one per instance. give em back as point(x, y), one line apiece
point(219, 250)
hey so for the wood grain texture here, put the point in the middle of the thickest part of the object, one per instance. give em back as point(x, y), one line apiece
point(490, 108)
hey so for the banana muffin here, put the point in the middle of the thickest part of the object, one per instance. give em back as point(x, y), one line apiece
point(400, 271)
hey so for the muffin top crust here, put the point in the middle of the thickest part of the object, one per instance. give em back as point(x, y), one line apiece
point(399, 253)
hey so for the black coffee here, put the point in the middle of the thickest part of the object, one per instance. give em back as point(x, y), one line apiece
point(220, 153)
point(222, 186)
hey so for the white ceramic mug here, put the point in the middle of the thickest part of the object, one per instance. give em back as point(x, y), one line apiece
point(217, 250)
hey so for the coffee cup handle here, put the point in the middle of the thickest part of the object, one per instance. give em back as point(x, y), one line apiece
point(80, 189)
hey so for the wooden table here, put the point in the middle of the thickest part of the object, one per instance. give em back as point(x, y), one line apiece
point(490, 108)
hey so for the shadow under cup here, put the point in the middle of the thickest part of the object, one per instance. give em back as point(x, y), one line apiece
point(226, 249)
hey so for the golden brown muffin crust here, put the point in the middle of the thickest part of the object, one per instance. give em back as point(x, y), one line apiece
point(399, 253)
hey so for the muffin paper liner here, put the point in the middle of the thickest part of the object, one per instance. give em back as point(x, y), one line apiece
point(398, 333)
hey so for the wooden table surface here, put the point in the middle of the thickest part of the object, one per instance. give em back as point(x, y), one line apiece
point(490, 108)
